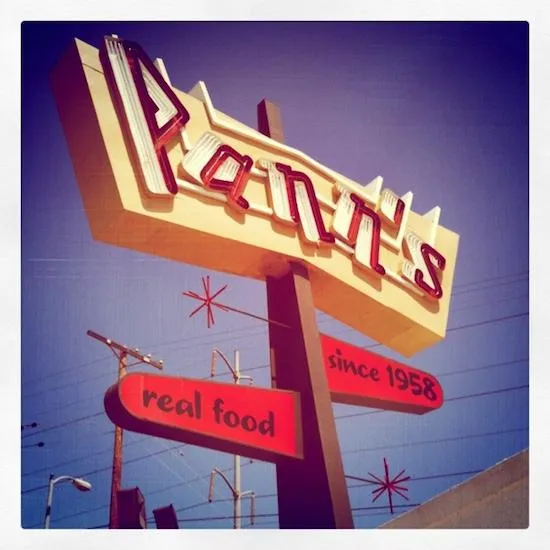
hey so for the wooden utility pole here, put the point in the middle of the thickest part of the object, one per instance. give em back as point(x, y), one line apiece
point(312, 493)
point(122, 353)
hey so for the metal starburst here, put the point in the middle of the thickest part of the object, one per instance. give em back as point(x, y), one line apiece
point(391, 485)
point(208, 302)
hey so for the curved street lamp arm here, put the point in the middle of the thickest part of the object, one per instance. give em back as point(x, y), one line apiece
point(225, 360)
point(212, 478)
point(63, 478)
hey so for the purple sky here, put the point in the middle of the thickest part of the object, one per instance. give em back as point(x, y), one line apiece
point(440, 109)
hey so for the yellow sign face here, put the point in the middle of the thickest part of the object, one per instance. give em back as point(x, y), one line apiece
point(164, 172)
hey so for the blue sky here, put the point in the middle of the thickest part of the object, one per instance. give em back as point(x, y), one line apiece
point(438, 108)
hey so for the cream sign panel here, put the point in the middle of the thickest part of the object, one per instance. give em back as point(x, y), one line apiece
point(164, 172)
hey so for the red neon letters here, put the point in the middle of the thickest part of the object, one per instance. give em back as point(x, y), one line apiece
point(152, 116)
point(299, 208)
point(428, 253)
point(361, 209)
point(157, 104)
point(234, 188)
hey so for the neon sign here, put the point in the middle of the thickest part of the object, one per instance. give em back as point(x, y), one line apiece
point(164, 172)
point(153, 114)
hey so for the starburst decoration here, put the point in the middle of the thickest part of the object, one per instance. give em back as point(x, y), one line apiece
point(209, 303)
point(391, 485)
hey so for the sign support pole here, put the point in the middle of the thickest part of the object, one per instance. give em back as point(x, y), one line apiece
point(312, 493)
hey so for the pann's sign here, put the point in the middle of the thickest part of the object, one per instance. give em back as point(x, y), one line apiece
point(163, 172)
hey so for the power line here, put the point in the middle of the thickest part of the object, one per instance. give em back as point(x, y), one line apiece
point(174, 485)
point(250, 369)
point(273, 495)
point(247, 330)
point(484, 367)
point(482, 394)
point(489, 321)
point(491, 392)
point(433, 441)
point(469, 396)
point(489, 302)
point(342, 416)
point(349, 451)
point(462, 288)
point(152, 346)
point(354, 509)
point(462, 291)
point(100, 395)
point(377, 411)
point(103, 375)
point(272, 514)
point(67, 462)
point(479, 281)
point(63, 424)
point(453, 329)
point(355, 515)
point(471, 325)
point(130, 461)
point(264, 366)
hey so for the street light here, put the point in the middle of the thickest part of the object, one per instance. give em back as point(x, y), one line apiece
point(79, 483)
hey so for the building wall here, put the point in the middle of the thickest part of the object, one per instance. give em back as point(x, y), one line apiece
point(497, 498)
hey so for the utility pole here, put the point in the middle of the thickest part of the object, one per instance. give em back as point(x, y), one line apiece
point(122, 353)
point(236, 487)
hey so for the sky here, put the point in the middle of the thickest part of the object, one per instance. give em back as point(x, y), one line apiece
point(440, 109)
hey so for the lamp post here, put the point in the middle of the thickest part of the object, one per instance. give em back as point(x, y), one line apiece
point(80, 484)
point(236, 487)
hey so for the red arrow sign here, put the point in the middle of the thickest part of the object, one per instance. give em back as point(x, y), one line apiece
point(359, 377)
point(255, 422)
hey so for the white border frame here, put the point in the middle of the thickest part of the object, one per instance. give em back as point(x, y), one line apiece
point(534, 12)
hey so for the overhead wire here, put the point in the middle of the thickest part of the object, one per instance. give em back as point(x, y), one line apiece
point(199, 477)
point(433, 441)
point(447, 400)
point(231, 331)
point(365, 413)
point(264, 366)
point(105, 506)
point(439, 375)
point(98, 470)
point(471, 325)
point(453, 329)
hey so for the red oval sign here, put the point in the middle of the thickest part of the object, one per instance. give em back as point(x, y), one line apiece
point(255, 422)
point(359, 377)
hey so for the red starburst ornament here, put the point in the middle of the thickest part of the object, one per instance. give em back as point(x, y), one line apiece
point(208, 302)
point(392, 485)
